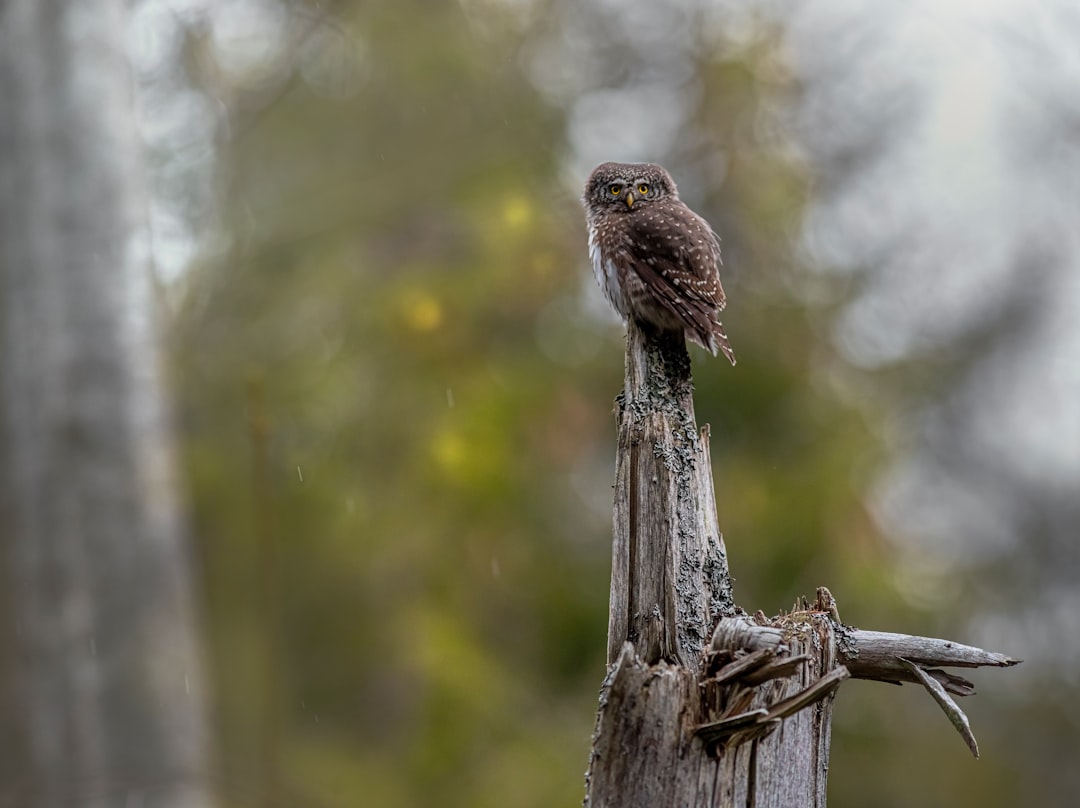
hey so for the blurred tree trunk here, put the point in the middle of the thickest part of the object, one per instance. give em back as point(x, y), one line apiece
point(101, 661)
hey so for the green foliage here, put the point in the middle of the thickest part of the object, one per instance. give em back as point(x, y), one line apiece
point(398, 429)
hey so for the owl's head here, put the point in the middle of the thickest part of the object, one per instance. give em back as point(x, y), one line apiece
point(626, 186)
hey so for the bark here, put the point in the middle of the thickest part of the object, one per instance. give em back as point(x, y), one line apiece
point(669, 736)
point(702, 705)
point(101, 666)
point(688, 715)
point(878, 654)
point(670, 579)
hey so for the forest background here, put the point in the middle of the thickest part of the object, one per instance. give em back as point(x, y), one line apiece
point(392, 376)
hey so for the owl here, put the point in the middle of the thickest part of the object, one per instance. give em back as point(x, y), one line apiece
point(654, 258)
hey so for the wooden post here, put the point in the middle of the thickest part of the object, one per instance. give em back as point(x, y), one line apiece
point(669, 580)
point(696, 690)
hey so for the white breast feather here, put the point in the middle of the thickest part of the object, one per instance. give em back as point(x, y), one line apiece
point(607, 276)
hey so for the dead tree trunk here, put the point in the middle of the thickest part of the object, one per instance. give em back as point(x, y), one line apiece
point(103, 689)
point(704, 707)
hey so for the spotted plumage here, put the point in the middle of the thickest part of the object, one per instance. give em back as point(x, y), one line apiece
point(654, 258)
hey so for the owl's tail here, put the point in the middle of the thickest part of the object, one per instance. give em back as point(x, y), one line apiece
point(718, 341)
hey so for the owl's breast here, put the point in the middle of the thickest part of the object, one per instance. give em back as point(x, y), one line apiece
point(607, 274)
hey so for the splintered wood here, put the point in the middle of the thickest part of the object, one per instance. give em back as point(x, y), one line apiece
point(703, 706)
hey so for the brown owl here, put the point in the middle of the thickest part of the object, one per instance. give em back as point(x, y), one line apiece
point(656, 260)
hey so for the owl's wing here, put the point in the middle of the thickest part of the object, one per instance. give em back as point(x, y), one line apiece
point(676, 254)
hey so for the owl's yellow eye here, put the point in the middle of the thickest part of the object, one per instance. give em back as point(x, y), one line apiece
point(615, 189)
point(643, 189)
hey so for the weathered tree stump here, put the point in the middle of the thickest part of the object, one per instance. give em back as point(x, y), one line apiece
point(703, 705)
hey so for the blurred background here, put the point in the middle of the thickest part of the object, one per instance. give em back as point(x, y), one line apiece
point(392, 378)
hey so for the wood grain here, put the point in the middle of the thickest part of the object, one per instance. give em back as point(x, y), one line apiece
point(704, 706)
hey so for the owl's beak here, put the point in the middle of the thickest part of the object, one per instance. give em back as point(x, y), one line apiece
point(630, 199)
